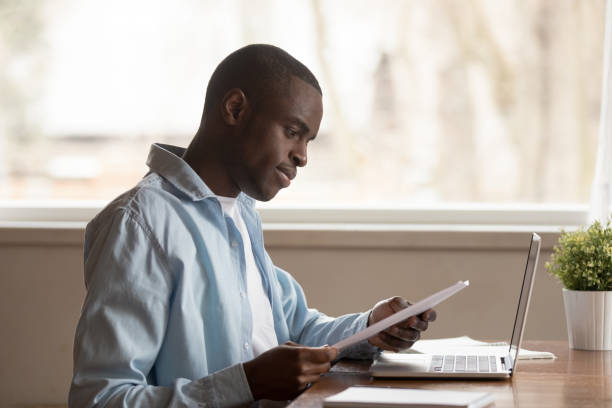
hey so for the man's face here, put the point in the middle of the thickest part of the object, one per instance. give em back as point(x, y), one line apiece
point(274, 139)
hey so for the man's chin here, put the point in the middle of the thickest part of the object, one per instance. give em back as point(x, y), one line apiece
point(268, 197)
point(263, 195)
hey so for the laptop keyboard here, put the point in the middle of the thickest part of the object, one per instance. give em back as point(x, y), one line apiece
point(463, 364)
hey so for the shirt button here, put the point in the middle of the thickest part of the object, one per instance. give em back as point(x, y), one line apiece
point(242, 294)
point(246, 345)
point(234, 244)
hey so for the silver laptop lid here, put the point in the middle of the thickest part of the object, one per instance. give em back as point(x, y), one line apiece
point(523, 303)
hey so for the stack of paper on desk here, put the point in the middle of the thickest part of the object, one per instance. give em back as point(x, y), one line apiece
point(465, 346)
point(402, 397)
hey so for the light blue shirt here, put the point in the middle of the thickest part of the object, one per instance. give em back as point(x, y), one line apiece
point(166, 320)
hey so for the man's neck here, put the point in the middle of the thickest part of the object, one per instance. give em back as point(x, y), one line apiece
point(206, 163)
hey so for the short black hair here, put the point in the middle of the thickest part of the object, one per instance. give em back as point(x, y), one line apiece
point(256, 69)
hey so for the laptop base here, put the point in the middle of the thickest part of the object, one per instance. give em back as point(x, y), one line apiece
point(419, 366)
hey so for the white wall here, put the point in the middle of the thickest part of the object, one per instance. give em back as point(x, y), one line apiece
point(341, 271)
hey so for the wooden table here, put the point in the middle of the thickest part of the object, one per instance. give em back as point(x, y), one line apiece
point(575, 379)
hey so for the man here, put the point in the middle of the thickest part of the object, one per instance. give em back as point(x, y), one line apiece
point(184, 306)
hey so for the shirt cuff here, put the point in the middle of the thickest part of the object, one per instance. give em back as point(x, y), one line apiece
point(232, 387)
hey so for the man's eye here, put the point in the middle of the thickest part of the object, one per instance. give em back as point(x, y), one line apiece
point(291, 132)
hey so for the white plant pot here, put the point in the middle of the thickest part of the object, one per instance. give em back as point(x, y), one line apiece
point(589, 319)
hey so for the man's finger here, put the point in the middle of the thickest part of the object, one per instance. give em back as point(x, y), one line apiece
point(397, 343)
point(428, 315)
point(406, 334)
point(376, 341)
point(318, 354)
point(398, 303)
point(413, 322)
point(389, 342)
point(417, 322)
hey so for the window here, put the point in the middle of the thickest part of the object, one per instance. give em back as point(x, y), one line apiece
point(426, 102)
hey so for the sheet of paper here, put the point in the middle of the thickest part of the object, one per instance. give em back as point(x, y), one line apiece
point(465, 345)
point(402, 315)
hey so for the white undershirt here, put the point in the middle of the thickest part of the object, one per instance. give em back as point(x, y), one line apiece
point(264, 336)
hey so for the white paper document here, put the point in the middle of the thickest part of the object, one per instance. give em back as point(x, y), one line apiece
point(360, 396)
point(465, 345)
point(402, 315)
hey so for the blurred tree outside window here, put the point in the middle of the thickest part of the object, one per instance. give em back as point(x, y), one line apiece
point(440, 101)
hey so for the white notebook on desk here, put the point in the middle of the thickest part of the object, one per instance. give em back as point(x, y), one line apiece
point(360, 396)
point(466, 345)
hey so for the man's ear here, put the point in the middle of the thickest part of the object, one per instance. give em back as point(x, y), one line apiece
point(234, 106)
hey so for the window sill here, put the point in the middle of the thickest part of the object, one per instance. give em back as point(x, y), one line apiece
point(277, 235)
point(473, 226)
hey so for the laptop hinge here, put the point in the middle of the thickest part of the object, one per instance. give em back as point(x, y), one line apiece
point(509, 363)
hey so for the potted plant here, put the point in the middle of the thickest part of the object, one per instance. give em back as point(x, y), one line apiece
point(582, 260)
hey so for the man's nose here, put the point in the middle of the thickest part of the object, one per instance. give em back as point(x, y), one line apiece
point(299, 155)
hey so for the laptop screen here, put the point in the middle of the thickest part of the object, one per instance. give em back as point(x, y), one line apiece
point(523, 303)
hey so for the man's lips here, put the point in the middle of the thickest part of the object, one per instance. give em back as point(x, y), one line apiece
point(287, 174)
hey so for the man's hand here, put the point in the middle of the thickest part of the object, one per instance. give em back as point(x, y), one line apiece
point(283, 372)
point(402, 335)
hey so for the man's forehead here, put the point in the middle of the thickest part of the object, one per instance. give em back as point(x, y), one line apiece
point(287, 87)
point(295, 95)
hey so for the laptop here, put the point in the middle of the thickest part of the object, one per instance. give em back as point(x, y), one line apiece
point(467, 366)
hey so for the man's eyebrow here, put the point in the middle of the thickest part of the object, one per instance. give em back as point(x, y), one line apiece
point(303, 127)
point(300, 123)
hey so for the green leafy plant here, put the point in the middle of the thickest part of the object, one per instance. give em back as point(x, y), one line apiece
point(582, 260)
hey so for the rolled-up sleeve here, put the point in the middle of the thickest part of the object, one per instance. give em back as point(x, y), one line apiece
point(123, 323)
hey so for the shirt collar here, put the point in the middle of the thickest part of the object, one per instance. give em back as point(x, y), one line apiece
point(167, 161)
